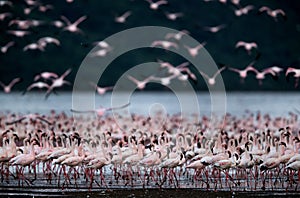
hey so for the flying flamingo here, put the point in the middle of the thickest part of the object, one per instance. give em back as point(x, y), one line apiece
point(34, 46)
point(243, 10)
point(72, 27)
point(235, 2)
point(58, 82)
point(140, 84)
point(242, 72)
point(5, 15)
point(45, 76)
point(178, 35)
point(18, 33)
point(173, 16)
point(101, 52)
point(215, 29)
point(7, 46)
point(101, 111)
point(7, 88)
point(260, 75)
point(273, 13)
point(46, 40)
point(155, 5)
point(45, 8)
point(39, 85)
point(57, 23)
point(101, 90)
point(123, 17)
point(30, 117)
point(165, 80)
point(164, 44)
point(296, 74)
point(193, 51)
point(212, 80)
point(247, 46)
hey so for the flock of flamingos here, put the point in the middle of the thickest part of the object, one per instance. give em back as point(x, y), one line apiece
point(255, 152)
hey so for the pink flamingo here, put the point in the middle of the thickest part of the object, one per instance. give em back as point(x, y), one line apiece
point(215, 29)
point(18, 33)
point(140, 84)
point(296, 74)
point(72, 27)
point(260, 75)
point(123, 17)
point(101, 111)
point(39, 85)
point(177, 36)
point(58, 82)
point(193, 51)
point(7, 88)
point(164, 44)
point(155, 5)
point(212, 80)
point(247, 46)
point(273, 13)
point(7, 46)
point(243, 10)
point(173, 16)
point(101, 90)
point(45, 76)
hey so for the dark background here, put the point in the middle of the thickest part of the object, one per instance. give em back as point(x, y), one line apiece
point(278, 42)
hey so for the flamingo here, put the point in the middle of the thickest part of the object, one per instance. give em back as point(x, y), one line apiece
point(248, 46)
point(7, 46)
point(18, 33)
point(193, 51)
point(46, 40)
point(30, 117)
point(212, 80)
point(34, 46)
point(177, 36)
point(7, 88)
point(45, 76)
point(101, 111)
point(58, 82)
point(173, 16)
point(164, 44)
point(155, 5)
point(140, 84)
point(72, 27)
point(101, 90)
point(235, 2)
point(242, 72)
point(45, 8)
point(273, 13)
point(215, 29)
point(101, 52)
point(102, 44)
point(57, 23)
point(261, 75)
point(296, 74)
point(123, 17)
point(4, 15)
point(25, 159)
point(39, 85)
point(165, 80)
point(243, 10)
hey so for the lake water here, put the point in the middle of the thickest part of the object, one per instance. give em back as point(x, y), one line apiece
point(274, 103)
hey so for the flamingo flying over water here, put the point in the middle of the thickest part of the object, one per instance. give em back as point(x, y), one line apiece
point(7, 88)
point(101, 111)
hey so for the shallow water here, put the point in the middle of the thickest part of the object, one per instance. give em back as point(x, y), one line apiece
point(274, 103)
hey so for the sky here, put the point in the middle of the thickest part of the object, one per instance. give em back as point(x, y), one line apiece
point(277, 38)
